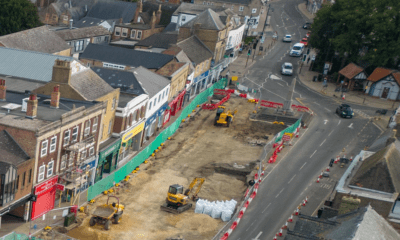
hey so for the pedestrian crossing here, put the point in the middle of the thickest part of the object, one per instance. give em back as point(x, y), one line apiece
point(361, 113)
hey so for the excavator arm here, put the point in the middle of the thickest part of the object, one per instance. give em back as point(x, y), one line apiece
point(192, 184)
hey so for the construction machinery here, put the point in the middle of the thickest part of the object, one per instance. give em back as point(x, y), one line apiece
point(178, 201)
point(224, 117)
point(107, 214)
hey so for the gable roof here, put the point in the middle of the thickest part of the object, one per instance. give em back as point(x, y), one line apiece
point(113, 10)
point(195, 9)
point(380, 171)
point(90, 21)
point(158, 40)
point(10, 151)
point(39, 39)
point(77, 11)
point(380, 73)
point(80, 33)
point(128, 57)
point(124, 80)
point(351, 70)
point(195, 49)
point(208, 19)
point(27, 64)
point(151, 82)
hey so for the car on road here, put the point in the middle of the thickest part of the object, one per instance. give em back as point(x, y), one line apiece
point(297, 50)
point(287, 38)
point(344, 111)
point(307, 25)
point(304, 41)
point(287, 69)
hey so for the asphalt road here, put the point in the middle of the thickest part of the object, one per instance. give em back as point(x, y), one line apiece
point(286, 186)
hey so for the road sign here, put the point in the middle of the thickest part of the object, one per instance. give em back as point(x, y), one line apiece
point(286, 138)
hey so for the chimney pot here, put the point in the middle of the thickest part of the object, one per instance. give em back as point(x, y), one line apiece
point(31, 110)
point(3, 90)
point(55, 97)
point(71, 21)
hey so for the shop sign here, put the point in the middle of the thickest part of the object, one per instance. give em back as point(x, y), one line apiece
point(60, 187)
point(203, 75)
point(46, 185)
point(103, 154)
point(132, 132)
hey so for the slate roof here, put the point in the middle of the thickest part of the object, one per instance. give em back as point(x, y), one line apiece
point(113, 10)
point(10, 151)
point(128, 57)
point(124, 80)
point(180, 56)
point(380, 73)
point(151, 82)
point(351, 70)
point(208, 19)
point(80, 33)
point(158, 40)
point(27, 64)
point(167, 9)
point(195, 49)
point(170, 28)
point(380, 171)
point(39, 39)
point(90, 21)
point(90, 85)
point(78, 7)
point(195, 9)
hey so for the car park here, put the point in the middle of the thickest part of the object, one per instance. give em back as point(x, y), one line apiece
point(304, 41)
point(297, 50)
point(287, 69)
point(287, 38)
point(344, 111)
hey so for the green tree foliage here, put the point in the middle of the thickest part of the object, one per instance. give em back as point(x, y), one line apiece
point(368, 31)
point(17, 15)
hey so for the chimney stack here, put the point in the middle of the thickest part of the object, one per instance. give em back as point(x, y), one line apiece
point(3, 89)
point(153, 21)
point(31, 110)
point(70, 23)
point(62, 72)
point(121, 21)
point(55, 97)
point(138, 10)
point(158, 16)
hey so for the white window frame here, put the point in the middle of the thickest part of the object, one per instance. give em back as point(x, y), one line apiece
point(241, 8)
point(69, 137)
point(42, 170)
point(75, 135)
point(87, 128)
point(91, 151)
point(53, 146)
point(116, 66)
point(50, 168)
point(117, 29)
point(95, 123)
point(44, 147)
point(83, 154)
point(254, 10)
point(150, 105)
point(159, 98)
point(124, 32)
point(133, 33)
point(137, 35)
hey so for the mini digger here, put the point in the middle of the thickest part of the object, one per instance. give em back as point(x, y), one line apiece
point(224, 117)
point(178, 201)
point(107, 214)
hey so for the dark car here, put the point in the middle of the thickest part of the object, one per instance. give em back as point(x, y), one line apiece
point(345, 111)
point(307, 26)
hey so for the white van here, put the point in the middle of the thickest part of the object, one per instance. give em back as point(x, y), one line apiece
point(297, 50)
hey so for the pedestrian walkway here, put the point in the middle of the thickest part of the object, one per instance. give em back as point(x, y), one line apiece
point(305, 12)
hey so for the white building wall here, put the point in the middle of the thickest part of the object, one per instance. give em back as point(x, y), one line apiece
point(235, 37)
point(159, 99)
point(381, 85)
point(184, 18)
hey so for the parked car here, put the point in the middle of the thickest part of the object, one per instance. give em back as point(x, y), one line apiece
point(287, 69)
point(308, 34)
point(297, 50)
point(307, 25)
point(287, 38)
point(304, 41)
point(344, 111)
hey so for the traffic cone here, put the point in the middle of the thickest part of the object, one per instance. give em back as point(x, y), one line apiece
point(262, 173)
point(280, 233)
point(304, 203)
point(259, 180)
point(306, 200)
point(337, 159)
point(297, 134)
point(275, 238)
point(320, 176)
point(290, 219)
point(284, 227)
point(296, 212)
point(327, 169)
point(318, 180)
point(343, 96)
point(351, 158)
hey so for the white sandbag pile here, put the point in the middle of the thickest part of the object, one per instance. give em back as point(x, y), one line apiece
point(223, 210)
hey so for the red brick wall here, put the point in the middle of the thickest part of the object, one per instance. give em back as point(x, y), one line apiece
point(26, 139)
point(25, 188)
point(50, 156)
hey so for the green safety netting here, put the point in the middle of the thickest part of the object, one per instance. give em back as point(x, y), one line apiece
point(120, 174)
point(16, 236)
point(289, 129)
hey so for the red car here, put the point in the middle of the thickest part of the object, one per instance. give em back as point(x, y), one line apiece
point(304, 41)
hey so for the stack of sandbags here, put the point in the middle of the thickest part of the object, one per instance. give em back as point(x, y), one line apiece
point(218, 209)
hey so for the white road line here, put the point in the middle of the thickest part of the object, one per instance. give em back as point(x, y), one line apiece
point(322, 142)
point(316, 104)
point(280, 84)
point(303, 165)
point(266, 208)
point(292, 178)
point(279, 193)
point(258, 236)
point(339, 122)
point(351, 125)
point(330, 133)
point(313, 153)
point(327, 109)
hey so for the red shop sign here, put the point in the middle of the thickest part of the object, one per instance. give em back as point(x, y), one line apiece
point(46, 185)
point(60, 187)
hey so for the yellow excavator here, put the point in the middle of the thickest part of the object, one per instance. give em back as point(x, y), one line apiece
point(178, 201)
point(224, 117)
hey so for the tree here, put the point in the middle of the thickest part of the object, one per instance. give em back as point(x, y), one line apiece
point(17, 15)
point(366, 30)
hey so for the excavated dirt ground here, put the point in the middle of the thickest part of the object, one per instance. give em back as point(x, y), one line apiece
point(190, 153)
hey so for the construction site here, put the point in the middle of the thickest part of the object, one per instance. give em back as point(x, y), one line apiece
point(225, 156)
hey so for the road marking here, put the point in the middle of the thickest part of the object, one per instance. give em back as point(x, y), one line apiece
point(351, 125)
point(279, 193)
point(322, 142)
point(327, 109)
point(313, 153)
point(303, 165)
point(292, 178)
point(325, 121)
point(257, 236)
point(339, 122)
point(316, 104)
point(330, 133)
point(280, 84)
point(266, 208)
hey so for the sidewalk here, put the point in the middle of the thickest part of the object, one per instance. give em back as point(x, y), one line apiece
point(305, 12)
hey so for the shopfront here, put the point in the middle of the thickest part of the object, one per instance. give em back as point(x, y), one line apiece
point(199, 84)
point(45, 196)
point(154, 122)
point(174, 106)
point(89, 166)
point(108, 157)
point(130, 143)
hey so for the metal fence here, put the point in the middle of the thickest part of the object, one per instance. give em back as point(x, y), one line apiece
point(121, 173)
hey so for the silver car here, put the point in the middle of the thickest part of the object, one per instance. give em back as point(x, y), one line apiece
point(287, 69)
point(287, 38)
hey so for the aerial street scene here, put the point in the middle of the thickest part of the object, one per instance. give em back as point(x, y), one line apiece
point(199, 120)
